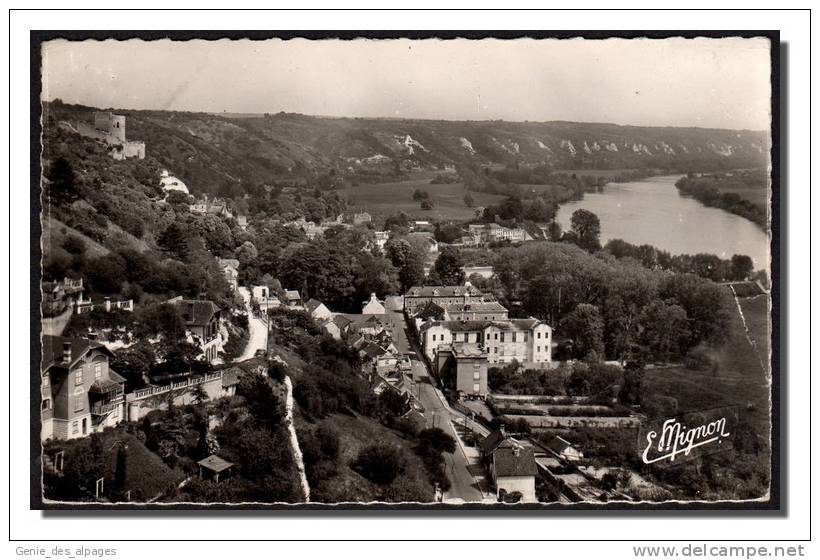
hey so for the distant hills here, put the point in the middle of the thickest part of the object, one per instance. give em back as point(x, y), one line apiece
point(205, 149)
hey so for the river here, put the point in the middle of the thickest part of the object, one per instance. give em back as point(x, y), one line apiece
point(652, 212)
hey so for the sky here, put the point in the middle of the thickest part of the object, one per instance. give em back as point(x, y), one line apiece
point(713, 83)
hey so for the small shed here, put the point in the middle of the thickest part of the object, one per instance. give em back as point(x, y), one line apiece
point(214, 466)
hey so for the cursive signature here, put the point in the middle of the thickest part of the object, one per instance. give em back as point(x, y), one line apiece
point(675, 439)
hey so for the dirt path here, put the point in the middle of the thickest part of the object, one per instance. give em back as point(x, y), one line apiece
point(294, 441)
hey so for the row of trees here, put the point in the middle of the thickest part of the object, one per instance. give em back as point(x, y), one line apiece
point(610, 308)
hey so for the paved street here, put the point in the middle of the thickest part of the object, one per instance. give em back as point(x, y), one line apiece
point(466, 474)
point(257, 327)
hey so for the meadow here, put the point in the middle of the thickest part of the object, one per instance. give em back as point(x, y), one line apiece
point(385, 199)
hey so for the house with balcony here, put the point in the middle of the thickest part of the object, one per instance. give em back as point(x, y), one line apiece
point(80, 393)
point(201, 318)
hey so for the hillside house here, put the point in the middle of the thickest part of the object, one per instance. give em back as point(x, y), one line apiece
point(80, 393)
point(337, 327)
point(201, 318)
point(292, 298)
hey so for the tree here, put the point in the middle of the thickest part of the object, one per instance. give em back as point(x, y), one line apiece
point(469, 201)
point(408, 260)
point(198, 394)
point(174, 239)
point(106, 274)
point(62, 182)
point(554, 231)
point(585, 327)
point(426, 205)
point(664, 331)
point(438, 440)
point(587, 227)
point(449, 267)
point(742, 267)
point(380, 463)
point(420, 195)
point(74, 245)
point(246, 254)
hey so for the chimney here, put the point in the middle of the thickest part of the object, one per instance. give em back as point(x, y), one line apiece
point(516, 451)
point(503, 430)
point(66, 351)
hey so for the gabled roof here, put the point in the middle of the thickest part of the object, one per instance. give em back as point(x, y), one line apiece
point(53, 350)
point(558, 445)
point(515, 461)
point(493, 440)
point(196, 312)
point(313, 304)
point(292, 294)
point(341, 321)
point(478, 307)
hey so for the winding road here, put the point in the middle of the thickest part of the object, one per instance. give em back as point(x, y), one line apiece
point(258, 328)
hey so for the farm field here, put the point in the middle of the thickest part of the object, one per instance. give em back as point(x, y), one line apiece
point(385, 199)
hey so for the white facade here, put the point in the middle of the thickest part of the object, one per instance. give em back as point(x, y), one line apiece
point(523, 484)
point(502, 341)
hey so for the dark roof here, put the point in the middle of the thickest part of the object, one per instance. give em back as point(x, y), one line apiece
point(477, 306)
point(442, 291)
point(53, 349)
point(215, 463)
point(196, 312)
point(341, 321)
point(514, 461)
point(489, 443)
point(558, 444)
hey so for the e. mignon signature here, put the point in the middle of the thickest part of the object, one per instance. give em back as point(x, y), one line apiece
point(677, 439)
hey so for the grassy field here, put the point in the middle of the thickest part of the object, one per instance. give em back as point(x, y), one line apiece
point(384, 199)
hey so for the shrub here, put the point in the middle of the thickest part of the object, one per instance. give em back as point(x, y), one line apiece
point(380, 463)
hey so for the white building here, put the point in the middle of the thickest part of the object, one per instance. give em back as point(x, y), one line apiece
point(373, 306)
point(527, 341)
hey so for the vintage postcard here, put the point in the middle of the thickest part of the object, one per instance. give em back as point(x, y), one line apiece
point(421, 271)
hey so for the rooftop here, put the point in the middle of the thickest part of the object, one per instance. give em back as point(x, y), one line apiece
point(514, 461)
point(215, 463)
point(442, 291)
point(53, 349)
point(196, 312)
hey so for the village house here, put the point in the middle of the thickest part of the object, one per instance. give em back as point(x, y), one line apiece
point(512, 466)
point(380, 238)
point(361, 218)
point(265, 298)
point(337, 327)
point(527, 341)
point(80, 393)
point(419, 295)
point(564, 449)
point(373, 306)
point(230, 269)
point(292, 298)
point(318, 310)
point(214, 207)
point(201, 318)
